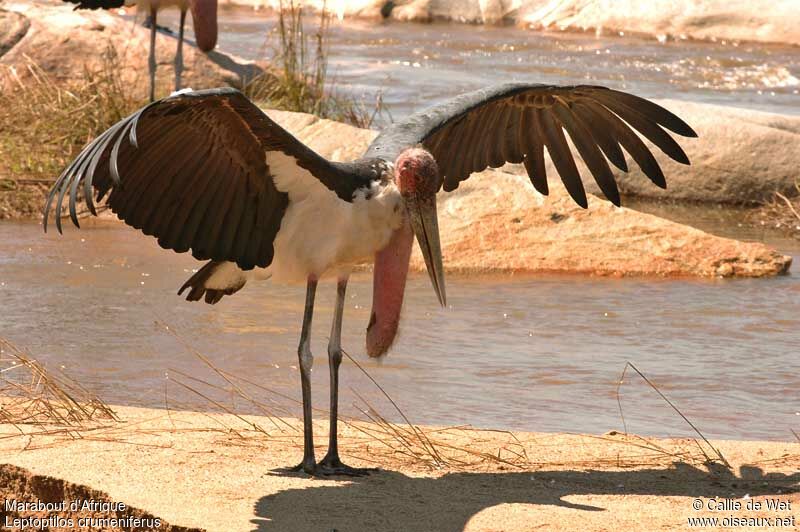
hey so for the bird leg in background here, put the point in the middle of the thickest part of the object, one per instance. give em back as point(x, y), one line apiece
point(179, 53)
point(306, 361)
point(151, 60)
point(331, 464)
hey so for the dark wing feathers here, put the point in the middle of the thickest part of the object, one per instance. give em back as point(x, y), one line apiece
point(191, 170)
point(516, 122)
point(96, 4)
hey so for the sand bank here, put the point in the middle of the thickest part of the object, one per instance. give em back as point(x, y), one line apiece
point(216, 472)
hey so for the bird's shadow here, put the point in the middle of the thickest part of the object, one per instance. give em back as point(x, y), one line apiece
point(240, 71)
point(393, 501)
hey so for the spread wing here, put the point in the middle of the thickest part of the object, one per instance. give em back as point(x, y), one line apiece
point(516, 122)
point(193, 170)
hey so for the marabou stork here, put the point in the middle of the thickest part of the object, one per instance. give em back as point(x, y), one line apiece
point(209, 172)
point(204, 19)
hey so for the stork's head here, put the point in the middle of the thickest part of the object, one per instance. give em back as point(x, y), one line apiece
point(418, 180)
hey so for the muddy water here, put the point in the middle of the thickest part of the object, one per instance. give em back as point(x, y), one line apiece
point(528, 353)
point(414, 65)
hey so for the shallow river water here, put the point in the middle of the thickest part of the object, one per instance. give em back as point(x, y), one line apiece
point(415, 65)
point(535, 353)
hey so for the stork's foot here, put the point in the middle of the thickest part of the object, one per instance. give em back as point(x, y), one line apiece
point(333, 466)
point(330, 467)
point(308, 465)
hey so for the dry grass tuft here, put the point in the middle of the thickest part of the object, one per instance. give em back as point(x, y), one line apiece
point(375, 438)
point(36, 400)
point(300, 81)
point(49, 408)
point(783, 212)
point(44, 123)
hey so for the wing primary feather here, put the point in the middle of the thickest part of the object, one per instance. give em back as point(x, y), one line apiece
point(113, 160)
point(59, 183)
point(176, 228)
point(496, 141)
point(497, 137)
point(202, 247)
point(589, 152)
point(201, 196)
point(214, 230)
point(465, 153)
point(271, 209)
point(601, 135)
point(532, 135)
point(171, 216)
point(446, 151)
point(651, 130)
point(226, 232)
point(515, 149)
point(253, 231)
point(59, 201)
point(479, 146)
point(632, 144)
point(80, 158)
point(97, 149)
point(469, 153)
point(127, 200)
point(174, 174)
point(562, 158)
point(465, 149)
point(655, 112)
point(136, 116)
point(76, 180)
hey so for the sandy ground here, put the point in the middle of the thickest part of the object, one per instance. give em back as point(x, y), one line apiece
point(223, 473)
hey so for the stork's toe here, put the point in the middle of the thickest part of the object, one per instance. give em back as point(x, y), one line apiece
point(333, 466)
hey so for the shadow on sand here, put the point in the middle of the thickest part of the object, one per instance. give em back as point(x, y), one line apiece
point(392, 501)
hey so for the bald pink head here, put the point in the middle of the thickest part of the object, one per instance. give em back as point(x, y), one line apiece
point(417, 173)
point(204, 18)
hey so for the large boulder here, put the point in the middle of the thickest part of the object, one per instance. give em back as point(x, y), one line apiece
point(496, 222)
point(740, 157)
point(743, 20)
point(66, 43)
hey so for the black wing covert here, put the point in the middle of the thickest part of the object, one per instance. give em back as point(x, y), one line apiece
point(191, 170)
point(515, 122)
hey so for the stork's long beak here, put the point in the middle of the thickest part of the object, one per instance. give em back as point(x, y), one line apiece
point(425, 224)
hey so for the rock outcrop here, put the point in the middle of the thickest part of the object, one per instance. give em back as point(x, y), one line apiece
point(66, 44)
point(496, 222)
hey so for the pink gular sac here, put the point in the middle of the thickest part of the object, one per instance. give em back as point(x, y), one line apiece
point(389, 284)
point(204, 18)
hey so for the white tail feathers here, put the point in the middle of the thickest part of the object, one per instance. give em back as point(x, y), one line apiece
point(214, 280)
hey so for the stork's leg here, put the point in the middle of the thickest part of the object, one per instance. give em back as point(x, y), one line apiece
point(306, 361)
point(179, 53)
point(151, 61)
point(331, 464)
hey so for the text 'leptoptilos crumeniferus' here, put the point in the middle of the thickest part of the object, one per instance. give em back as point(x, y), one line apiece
point(204, 19)
point(209, 172)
